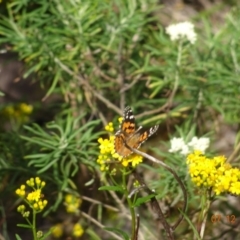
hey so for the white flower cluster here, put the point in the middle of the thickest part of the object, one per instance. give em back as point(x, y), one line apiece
point(178, 145)
point(181, 30)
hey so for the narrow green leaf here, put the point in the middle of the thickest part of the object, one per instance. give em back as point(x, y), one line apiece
point(191, 225)
point(54, 84)
point(24, 225)
point(18, 237)
point(120, 232)
point(142, 200)
point(111, 188)
point(48, 166)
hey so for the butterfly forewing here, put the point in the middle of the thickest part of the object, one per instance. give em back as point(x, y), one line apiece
point(128, 123)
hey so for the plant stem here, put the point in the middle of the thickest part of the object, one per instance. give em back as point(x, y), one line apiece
point(34, 226)
point(176, 82)
point(205, 208)
point(132, 211)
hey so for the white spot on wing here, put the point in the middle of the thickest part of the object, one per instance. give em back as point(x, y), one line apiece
point(152, 130)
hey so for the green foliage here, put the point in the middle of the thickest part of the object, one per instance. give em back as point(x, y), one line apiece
point(58, 40)
point(11, 158)
point(97, 57)
point(58, 143)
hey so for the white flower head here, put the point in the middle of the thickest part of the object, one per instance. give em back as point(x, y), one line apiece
point(185, 150)
point(178, 144)
point(200, 144)
point(181, 30)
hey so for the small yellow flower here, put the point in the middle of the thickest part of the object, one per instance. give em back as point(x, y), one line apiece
point(136, 184)
point(21, 191)
point(120, 119)
point(38, 181)
point(26, 214)
point(34, 196)
point(57, 230)
point(21, 209)
point(77, 230)
point(25, 108)
point(109, 127)
point(42, 204)
point(35, 206)
point(235, 188)
point(133, 159)
point(39, 234)
point(30, 182)
point(136, 159)
point(72, 203)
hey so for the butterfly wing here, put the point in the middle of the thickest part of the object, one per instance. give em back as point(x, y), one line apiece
point(141, 136)
point(120, 146)
point(127, 128)
point(128, 136)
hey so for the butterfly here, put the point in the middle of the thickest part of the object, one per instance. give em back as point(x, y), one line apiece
point(127, 135)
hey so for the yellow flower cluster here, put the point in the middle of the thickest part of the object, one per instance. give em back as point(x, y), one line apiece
point(20, 112)
point(77, 230)
point(72, 203)
point(108, 155)
point(57, 230)
point(21, 191)
point(34, 198)
point(213, 173)
point(109, 127)
point(22, 209)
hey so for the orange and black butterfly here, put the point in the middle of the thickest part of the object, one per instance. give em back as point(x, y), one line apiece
point(127, 135)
